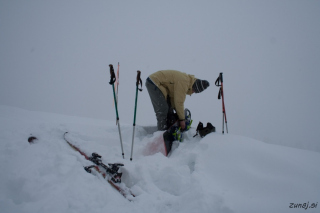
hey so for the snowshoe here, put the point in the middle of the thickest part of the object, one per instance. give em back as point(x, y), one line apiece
point(174, 132)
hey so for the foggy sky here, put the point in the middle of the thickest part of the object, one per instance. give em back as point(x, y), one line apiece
point(54, 57)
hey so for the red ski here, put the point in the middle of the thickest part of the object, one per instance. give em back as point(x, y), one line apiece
point(110, 172)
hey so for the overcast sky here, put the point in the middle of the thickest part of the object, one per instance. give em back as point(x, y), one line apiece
point(54, 57)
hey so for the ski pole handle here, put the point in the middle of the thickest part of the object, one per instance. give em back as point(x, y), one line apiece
point(112, 75)
point(139, 80)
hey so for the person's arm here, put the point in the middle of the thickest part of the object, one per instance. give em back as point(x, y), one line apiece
point(179, 99)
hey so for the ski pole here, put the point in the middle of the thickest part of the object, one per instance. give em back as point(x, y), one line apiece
point(223, 105)
point(112, 80)
point(135, 108)
point(221, 94)
point(117, 83)
point(116, 87)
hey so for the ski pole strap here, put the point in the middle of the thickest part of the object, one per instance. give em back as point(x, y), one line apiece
point(219, 94)
point(112, 75)
point(219, 80)
point(139, 80)
point(218, 83)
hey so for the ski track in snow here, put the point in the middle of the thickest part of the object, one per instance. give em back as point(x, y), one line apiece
point(218, 173)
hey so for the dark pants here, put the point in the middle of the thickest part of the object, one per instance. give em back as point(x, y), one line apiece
point(159, 103)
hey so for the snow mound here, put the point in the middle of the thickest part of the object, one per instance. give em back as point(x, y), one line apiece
point(218, 173)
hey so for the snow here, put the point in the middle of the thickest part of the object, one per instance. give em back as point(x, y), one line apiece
point(217, 173)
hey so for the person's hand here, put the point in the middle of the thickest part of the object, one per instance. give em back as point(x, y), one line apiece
point(182, 125)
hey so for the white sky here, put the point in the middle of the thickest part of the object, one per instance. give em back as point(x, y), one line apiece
point(54, 57)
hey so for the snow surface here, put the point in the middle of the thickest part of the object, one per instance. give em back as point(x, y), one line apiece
point(218, 173)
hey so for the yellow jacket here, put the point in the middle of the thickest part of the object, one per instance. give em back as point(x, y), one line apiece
point(175, 84)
